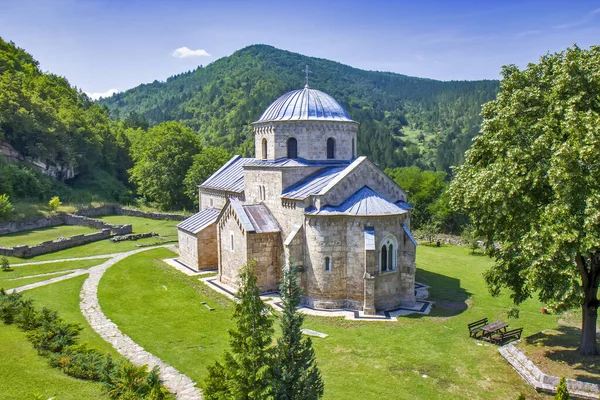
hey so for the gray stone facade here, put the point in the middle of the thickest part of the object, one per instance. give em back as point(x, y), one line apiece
point(341, 265)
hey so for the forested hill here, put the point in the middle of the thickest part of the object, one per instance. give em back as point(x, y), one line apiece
point(404, 120)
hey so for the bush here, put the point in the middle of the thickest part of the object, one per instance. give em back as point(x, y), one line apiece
point(4, 264)
point(6, 206)
point(54, 203)
point(57, 339)
point(562, 393)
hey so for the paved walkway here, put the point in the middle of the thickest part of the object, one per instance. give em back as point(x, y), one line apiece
point(177, 383)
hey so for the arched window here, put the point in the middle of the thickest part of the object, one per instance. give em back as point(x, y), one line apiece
point(292, 148)
point(264, 149)
point(327, 264)
point(353, 156)
point(330, 148)
point(388, 253)
point(384, 258)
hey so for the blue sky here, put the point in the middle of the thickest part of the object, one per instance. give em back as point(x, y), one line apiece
point(103, 45)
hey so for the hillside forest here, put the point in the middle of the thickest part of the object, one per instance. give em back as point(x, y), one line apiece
point(153, 144)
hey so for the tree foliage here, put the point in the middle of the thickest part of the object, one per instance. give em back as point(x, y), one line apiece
point(530, 184)
point(296, 374)
point(221, 100)
point(205, 164)
point(247, 371)
point(162, 157)
point(562, 393)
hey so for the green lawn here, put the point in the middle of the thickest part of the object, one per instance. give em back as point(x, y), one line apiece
point(26, 281)
point(169, 319)
point(162, 227)
point(24, 374)
point(419, 357)
point(64, 298)
point(37, 236)
point(6, 277)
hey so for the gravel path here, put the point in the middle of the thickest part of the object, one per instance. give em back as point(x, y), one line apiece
point(177, 383)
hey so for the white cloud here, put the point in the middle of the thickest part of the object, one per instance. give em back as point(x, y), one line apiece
point(108, 93)
point(586, 18)
point(184, 52)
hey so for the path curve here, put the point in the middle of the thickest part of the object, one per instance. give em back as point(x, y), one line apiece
point(177, 383)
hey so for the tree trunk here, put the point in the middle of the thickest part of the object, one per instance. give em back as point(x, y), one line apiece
point(589, 308)
point(587, 345)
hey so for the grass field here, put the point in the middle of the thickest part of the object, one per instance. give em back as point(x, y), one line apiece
point(419, 357)
point(24, 374)
point(8, 281)
point(162, 227)
point(64, 298)
point(37, 236)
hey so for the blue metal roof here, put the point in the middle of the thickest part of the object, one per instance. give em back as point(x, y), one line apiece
point(404, 205)
point(230, 177)
point(305, 104)
point(199, 221)
point(365, 202)
point(410, 236)
point(313, 184)
point(261, 218)
point(297, 162)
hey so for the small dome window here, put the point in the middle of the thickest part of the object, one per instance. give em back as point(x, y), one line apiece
point(264, 149)
point(330, 148)
point(292, 148)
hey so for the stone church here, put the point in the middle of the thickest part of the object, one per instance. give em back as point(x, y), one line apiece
point(306, 199)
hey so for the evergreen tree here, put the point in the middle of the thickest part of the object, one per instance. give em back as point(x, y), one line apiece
point(296, 374)
point(562, 393)
point(246, 372)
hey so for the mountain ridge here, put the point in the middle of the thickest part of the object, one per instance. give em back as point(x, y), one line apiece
point(404, 120)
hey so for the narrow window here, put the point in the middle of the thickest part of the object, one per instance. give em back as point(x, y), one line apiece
point(327, 264)
point(384, 258)
point(353, 156)
point(391, 265)
point(292, 148)
point(232, 244)
point(211, 202)
point(264, 149)
point(330, 148)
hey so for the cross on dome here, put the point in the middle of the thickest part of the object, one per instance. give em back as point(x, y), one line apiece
point(306, 71)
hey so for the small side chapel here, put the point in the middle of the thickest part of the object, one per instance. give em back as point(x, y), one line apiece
point(307, 199)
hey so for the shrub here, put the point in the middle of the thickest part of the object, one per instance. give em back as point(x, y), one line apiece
point(10, 305)
point(521, 396)
point(562, 393)
point(80, 362)
point(4, 264)
point(53, 334)
point(54, 203)
point(6, 206)
point(131, 382)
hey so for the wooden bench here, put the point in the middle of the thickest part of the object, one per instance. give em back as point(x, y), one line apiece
point(503, 337)
point(475, 327)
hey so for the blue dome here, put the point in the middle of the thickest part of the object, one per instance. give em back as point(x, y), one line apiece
point(305, 104)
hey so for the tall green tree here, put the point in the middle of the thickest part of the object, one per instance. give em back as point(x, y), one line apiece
point(247, 370)
point(531, 184)
point(205, 164)
point(296, 374)
point(162, 157)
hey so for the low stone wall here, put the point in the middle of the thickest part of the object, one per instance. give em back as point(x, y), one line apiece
point(118, 210)
point(54, 245)
point(58, 220)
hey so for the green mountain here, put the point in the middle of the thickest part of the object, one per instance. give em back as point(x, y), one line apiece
point(51, 124)
point(404, 120)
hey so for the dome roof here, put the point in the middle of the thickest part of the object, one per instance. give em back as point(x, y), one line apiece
point(305, 104)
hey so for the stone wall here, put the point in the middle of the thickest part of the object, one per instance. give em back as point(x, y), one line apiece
point(115, 209)
point(265, 249)
point(311, 137)
point(58, 220)
point(231, 259)
point(207, 248)
point(342, 239)
point(55, 245)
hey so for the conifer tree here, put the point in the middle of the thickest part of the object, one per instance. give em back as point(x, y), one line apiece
point(296, 374)
point(246, 372)
point(562, 393)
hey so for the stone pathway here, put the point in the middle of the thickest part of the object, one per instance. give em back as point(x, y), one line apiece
point(40, 275)
point(177, 383)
